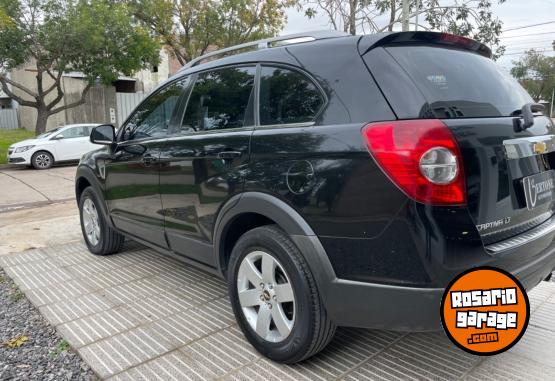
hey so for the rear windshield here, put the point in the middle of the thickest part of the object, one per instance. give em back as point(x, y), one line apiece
point(459, 84)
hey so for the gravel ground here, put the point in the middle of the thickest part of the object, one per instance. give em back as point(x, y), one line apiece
point(42, 354)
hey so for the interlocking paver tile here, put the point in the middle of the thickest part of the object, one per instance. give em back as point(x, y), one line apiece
point(222, 352)
point(98, 326)
point(23, 257)
point(71, 309)
point(140, 315)
point(184, 327)
point(122, 351)
point(175, 365)
point(540, 294)
point(419, 356)
point(60, 292)
point(537, 344)
point(157, 307)
point(38, 280)
point(510, 367)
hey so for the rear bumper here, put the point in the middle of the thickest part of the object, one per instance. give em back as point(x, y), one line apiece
point(379, 306)
point(367, 305)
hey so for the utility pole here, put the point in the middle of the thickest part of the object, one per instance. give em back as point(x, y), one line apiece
point(405, 15)
point(552, 115)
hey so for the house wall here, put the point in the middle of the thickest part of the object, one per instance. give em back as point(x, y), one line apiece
point(100, 103)
point(97, 105)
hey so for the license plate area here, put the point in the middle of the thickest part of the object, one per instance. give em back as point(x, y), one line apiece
point(539, 189)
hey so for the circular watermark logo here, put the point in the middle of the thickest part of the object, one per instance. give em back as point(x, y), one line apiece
point(485, 311)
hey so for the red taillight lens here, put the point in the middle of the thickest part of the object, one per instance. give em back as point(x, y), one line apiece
point(398, 148)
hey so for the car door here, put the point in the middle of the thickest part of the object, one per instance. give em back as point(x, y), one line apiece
point(71, 143)
point(203, 159)
point(132, 173)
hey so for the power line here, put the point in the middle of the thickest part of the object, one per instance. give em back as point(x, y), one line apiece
point(529, 26)
point(526, 51)
point(528, 35)
point(529, 42)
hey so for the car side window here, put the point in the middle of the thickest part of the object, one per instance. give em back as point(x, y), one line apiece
point(73, 132)
point(221, 99)
point(287, 96)
point(152, 118)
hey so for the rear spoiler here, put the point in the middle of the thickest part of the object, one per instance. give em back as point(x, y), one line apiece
point(370, 42)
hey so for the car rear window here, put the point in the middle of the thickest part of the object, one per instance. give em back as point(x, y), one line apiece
point(459, 84)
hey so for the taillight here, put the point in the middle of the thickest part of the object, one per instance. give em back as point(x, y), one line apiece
point(421, 157)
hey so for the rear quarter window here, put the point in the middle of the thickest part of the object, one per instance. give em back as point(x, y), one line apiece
point(287, 97)
point(460, 84)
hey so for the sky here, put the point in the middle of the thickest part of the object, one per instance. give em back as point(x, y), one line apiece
point(513, 14)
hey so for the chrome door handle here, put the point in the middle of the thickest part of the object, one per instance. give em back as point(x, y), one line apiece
point(226, 155)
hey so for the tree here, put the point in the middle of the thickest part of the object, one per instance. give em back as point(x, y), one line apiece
point(190, 27)
point(536, 72)
point(472, 18)
point(94, 37)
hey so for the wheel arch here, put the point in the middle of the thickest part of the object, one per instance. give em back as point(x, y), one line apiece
point(84, 178)
point(50, 152)
point(252, 209)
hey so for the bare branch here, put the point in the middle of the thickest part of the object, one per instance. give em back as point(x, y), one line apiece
point(18, 99)
point(5, 79)
point(73, 104)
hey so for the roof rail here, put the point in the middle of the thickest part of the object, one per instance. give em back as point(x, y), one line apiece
point(268, 43)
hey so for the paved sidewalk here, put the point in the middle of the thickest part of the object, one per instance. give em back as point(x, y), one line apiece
point(23, 188)
point(141, 316)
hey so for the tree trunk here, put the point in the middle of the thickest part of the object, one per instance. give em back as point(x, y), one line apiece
point(42, 118)
point(392, 15)
point(352, 18)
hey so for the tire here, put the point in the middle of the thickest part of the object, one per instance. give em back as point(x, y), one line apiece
point(101, 239)
point(42, 160)
point(310, 329)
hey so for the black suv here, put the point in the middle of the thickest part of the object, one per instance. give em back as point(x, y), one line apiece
point(333, 180)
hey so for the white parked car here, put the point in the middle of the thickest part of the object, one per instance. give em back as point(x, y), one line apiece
point(63, 144)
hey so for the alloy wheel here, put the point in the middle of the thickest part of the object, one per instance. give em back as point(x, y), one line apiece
point(90, 222)
point(43, 160)
point(266, 296)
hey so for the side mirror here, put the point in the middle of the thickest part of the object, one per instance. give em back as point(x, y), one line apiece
point(104, 134)
point(57, 137)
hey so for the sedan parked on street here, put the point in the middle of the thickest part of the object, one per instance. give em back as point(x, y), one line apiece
point(62, 144)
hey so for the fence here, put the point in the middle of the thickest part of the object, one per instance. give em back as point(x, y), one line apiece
point(126, 103)
point(8, 119)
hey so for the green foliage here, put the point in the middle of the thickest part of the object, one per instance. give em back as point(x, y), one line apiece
point(190, 27)
point(9, 137)
point(96, 37)
point(471, 18)
point(62, 346)
point(536, 72)
point(15, 294)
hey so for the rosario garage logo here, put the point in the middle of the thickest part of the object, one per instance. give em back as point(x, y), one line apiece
point(485, 311)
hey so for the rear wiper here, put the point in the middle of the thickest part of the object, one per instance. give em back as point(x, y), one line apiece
point(527, 111)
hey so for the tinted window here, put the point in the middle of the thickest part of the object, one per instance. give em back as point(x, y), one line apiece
point(287, 97)
point(220, 99)
point(152, 117)
point(459, 84)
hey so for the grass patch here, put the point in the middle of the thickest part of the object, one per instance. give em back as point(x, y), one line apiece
point(15, 294)
point(9, 137)
point(62, 346)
